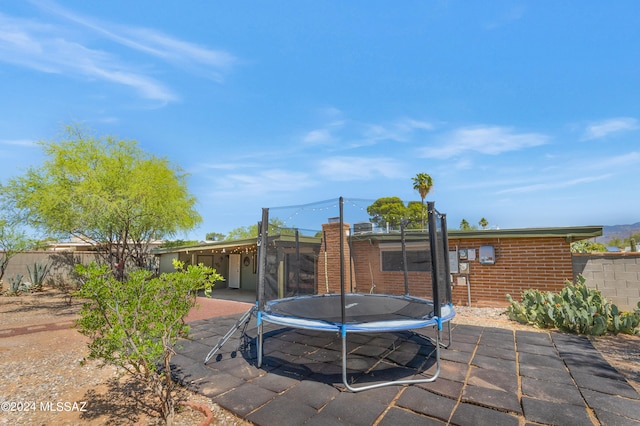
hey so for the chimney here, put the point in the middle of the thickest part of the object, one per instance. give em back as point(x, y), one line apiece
point(329, 260)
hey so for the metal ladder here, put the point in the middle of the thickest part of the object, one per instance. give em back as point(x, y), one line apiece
point(242, 322)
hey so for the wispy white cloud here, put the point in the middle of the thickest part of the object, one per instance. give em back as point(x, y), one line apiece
point(345, 168)
point(401, 130)
point(511, 14)
point(615, 162)
point(490, 140)
point(61, 48)
point(175, 51)
point(318, 137)
point(18, 142)
point(43, 48)
point(213, 63)
point(350, 134)
point(604, 128)
point(557, 184)
point(262, 183)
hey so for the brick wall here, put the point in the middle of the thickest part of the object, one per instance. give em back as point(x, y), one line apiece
point(616, 275)
point(367, 268)
point(543, 263)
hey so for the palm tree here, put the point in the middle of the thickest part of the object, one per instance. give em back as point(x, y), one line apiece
point(422, 183)
point(483, 223)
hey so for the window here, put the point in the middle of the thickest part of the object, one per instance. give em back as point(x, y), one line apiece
point(418, 258)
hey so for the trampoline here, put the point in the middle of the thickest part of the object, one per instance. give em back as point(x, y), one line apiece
point(348, 280)
point(364, 313)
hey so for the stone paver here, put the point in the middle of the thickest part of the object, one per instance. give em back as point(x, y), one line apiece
point(625, 407)
point(488, 376)
point(396, 416)
point(551, 391)
point(554, 413)
point(427, 403)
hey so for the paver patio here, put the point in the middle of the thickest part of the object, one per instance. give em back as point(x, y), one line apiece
point(488, 376)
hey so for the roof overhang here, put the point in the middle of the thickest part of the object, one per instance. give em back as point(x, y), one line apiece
point(213, 246)
point(570, 234)
point(235, 246)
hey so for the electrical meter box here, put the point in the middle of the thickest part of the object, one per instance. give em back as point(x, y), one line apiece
point(487, 255)
point(462, 254)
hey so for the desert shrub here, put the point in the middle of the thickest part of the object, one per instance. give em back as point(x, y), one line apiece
point(37, 274)
point(136, 324)
point(576, 309)
point(17, 286)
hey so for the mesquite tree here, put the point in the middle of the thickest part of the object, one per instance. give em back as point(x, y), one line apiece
point(107, 192)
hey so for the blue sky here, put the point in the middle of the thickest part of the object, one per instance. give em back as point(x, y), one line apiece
point(523, 112)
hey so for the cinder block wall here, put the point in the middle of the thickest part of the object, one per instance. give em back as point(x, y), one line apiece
point(616, 275)
point(61, 264)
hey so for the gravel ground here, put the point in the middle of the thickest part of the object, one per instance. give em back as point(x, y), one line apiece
point(45, 382)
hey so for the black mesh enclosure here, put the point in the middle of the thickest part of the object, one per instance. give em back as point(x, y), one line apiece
point(355, 266)
point(439, 245)
point(353, 246)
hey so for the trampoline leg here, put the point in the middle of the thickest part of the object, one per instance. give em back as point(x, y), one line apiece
point(433, 378)
point(344, 359)
point(449, 331)
point(443, 345)
point(259, 340)
point(439, 341)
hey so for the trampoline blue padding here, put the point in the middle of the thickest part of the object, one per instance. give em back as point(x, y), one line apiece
point(363, 312)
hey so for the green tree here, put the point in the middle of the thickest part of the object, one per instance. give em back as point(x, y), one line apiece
point(422, 183)
point(586, 246)
point(243, 233)
point(631, 241)
point(214, 236)
point(466, 226)
point(413, 215)
point(107, 192)
point(388, 211)
point(136, 326)
point(276, 227)
point(178, 243)
point(483, 223)
point(616, 242)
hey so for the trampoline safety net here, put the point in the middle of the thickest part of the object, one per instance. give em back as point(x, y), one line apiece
point(353, 246)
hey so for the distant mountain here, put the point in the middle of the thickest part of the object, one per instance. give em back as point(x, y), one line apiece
point(618, 231)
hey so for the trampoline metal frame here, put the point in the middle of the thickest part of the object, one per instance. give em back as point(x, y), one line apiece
point(343, 329)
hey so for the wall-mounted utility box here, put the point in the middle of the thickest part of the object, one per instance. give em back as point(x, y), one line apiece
point(453, 262)
point(462, 254)
point(487, 255)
